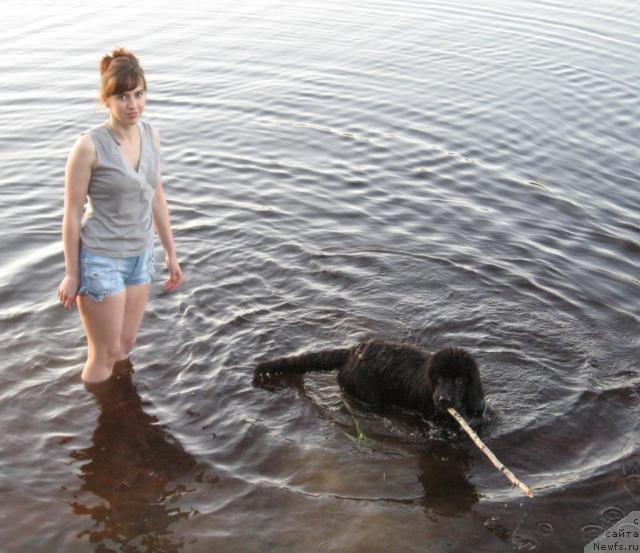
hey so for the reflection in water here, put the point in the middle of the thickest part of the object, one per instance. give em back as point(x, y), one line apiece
point(132, 464)
point(443, 475)
point(442, 468)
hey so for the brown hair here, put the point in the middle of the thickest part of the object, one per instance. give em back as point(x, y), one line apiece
point(120, 72)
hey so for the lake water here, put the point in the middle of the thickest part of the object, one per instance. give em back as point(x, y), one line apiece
point(433, 172)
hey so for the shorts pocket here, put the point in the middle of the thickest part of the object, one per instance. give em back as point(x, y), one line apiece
point(100, 281)
point(98, 278)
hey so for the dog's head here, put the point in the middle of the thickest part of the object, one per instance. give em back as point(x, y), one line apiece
point(455, 382)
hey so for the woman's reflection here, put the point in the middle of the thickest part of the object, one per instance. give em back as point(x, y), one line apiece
point(133, 464)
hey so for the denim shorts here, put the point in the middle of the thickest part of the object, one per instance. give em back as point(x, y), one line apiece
point(102, 276)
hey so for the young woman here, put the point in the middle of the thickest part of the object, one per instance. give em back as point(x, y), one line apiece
point(108, 247)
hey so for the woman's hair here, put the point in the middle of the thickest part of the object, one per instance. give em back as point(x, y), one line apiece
point(120, 72)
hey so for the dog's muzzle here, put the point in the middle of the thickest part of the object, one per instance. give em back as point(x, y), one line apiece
point(445, 397)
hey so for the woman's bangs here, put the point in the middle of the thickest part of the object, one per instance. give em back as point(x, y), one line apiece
point(126, 81)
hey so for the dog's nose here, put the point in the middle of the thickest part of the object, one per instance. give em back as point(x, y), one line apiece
point(444, 400)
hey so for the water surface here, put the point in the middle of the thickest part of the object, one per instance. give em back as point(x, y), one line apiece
point(433, 172)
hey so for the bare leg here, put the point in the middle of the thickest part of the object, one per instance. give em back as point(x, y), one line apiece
point(135, 304)
point(102, 324)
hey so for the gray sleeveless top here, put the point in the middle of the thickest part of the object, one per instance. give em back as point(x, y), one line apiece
point(118, 219)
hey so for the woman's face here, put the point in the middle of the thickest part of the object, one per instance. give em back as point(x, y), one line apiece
point(127, 107)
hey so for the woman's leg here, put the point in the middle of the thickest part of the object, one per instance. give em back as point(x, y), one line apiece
point(135, 305)
point(102, 322)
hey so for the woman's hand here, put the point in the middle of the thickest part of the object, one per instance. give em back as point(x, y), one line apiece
point(68, 291)
point(175, 274)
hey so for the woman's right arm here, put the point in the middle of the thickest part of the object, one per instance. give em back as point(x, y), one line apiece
point(76, 184)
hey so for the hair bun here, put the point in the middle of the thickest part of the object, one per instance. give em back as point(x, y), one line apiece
point(117, 53)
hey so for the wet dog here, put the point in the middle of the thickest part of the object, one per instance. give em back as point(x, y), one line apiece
point(386, 374)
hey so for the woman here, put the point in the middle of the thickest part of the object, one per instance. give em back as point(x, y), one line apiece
point(109, 255)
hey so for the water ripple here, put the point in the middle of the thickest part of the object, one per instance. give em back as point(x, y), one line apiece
point(434, 172)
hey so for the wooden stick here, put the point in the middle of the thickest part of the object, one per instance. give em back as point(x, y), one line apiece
point(481, 445)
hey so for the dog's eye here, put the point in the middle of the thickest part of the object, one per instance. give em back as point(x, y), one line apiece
point(460, 380)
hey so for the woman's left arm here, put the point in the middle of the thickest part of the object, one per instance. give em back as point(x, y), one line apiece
point(162, 223)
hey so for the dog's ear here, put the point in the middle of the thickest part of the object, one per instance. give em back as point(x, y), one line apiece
point(475, 394)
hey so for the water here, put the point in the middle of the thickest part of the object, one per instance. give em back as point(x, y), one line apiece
point(434, 172)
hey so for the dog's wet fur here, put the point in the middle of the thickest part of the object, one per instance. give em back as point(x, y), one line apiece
point(386, 374)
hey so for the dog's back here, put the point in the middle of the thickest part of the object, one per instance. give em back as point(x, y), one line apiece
point(376, 372)
point(386, 373)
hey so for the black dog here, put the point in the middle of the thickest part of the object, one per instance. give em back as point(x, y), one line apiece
point(385, 374)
